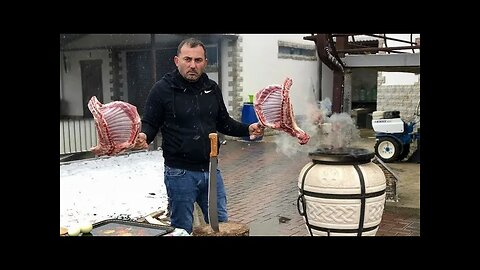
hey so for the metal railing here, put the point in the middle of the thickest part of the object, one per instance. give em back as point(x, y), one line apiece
point(77, 135)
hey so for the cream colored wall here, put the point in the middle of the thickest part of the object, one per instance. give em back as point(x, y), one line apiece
point(262, 67)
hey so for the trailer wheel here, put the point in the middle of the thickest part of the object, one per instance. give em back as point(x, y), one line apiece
point(387, 149)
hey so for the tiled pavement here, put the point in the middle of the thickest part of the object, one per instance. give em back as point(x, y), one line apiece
point(261, 187)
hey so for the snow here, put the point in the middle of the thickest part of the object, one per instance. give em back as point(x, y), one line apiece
point(129, 185)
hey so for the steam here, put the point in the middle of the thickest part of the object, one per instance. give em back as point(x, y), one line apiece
point(326, 130)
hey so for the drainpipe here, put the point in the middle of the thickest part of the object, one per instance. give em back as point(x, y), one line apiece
point(327, 53)
point(337, 91)
point(338, 74)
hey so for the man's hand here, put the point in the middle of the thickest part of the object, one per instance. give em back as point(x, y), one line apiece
point(255, 130)
point(141, 141)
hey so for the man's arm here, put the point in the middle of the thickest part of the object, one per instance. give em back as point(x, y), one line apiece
point(152, 118)
point(229, 126)
point(226, 124)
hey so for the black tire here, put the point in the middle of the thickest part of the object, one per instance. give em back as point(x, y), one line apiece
point(387, 149)
point(405, 152)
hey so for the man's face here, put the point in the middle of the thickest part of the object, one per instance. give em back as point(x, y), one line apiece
point(191, 62)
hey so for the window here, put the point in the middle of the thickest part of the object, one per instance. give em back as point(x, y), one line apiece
point(212, 56)
point(296, 51)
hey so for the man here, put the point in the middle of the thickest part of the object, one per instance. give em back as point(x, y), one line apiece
point(186, 106)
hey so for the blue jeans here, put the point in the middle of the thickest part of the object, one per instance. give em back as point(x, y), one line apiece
point(184, 188)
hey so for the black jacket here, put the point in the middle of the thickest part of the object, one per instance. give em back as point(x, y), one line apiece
point(186, 113)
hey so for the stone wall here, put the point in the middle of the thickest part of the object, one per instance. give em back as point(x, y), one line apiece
point(235, 78)
point(115, 75)
point(403, 98)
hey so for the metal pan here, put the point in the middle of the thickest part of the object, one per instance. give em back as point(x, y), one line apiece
point(117, 227)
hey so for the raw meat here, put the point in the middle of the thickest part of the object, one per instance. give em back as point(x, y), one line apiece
point(273, 108)
point(117, 124)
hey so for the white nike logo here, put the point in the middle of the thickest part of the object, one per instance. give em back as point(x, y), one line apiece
point(206, 92)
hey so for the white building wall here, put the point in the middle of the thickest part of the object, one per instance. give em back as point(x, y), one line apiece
point(213, 76)
point(262, 67)
point(327, 82)
point(400, 78)
point(72, 78)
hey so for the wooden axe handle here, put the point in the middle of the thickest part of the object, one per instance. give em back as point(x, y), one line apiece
point(213, 144)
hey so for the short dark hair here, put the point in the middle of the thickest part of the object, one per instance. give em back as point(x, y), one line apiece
point(192, 42)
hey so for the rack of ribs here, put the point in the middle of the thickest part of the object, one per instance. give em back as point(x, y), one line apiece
point(117, 124)
point(273, 108)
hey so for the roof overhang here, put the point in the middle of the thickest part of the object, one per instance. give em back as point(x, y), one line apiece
point(407, 62)
point(72, 42)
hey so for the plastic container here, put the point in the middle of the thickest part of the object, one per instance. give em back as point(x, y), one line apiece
point(249, 117)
